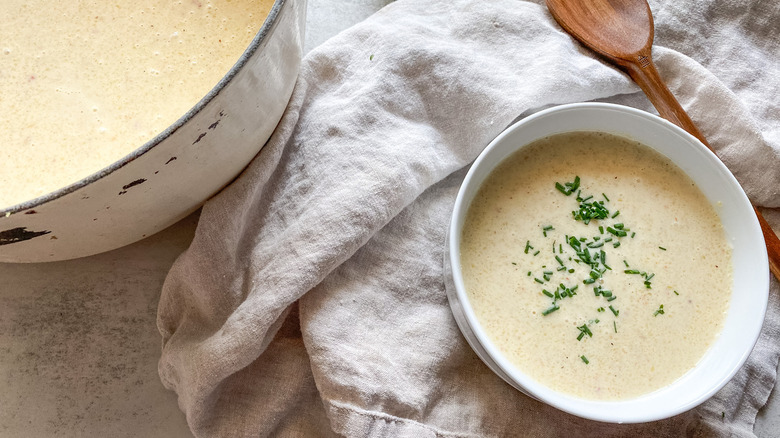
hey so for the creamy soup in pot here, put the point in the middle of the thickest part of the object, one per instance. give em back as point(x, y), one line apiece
point(85, 82)
point(596, 265)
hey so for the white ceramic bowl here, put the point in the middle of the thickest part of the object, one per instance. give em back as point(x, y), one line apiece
point(751, 270)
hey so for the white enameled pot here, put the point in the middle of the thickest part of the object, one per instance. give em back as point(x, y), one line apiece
point(172, 175)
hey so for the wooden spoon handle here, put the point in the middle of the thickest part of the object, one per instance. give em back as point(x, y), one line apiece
point(644, 73)
point(772, 245)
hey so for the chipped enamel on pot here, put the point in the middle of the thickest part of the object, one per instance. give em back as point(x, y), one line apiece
point(172, 175)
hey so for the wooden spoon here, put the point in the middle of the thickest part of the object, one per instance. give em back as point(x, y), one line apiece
point(621, 31)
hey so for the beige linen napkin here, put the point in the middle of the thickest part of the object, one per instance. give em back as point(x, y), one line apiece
point(311, 301)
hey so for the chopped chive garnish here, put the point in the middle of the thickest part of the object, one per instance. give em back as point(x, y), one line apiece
point(600, 309)
point(608, 239)
point(584, 359)
point(550, 310)
point(584, 330)
point(588, 281)
point(660, 310)
point(538, 281)
point(595, 244)
point(529, 273)
point(601, 229)
point(571, 271)
point(614, 312)
point(614, 215)
point(633, 234)
point(528, 246)
point(559, 260)
point(626, 263)
point(614, 324)
point(631, 271)
point(605, 197)
point(561, 268)
point(616, 244)
point(547, 292)
point(662, 248)
point(612, 298)
point(675, 292)
point(514, 263)
point(536, 253)
point(568, 188)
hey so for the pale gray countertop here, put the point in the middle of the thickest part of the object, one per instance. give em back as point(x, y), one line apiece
point(78, 340)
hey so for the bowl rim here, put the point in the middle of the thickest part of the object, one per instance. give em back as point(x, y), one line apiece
point(258, 41)
point(590, 409)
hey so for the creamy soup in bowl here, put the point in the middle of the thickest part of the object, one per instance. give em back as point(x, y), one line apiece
point(603, 261)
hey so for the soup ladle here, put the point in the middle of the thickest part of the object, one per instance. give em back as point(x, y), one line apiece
point(621, 31)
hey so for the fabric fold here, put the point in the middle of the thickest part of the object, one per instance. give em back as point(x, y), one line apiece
point(345, 211)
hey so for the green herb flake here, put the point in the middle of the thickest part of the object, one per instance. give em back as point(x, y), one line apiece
point(550, 310)
point(662, 248)
point(616, 214)
point(675, 292)
point(568, 188)
point(660, 310)
point(584, 330)
point(614, 311)
point(536, 253)
point(614, 325)
point(584, 359)
point(605, 197)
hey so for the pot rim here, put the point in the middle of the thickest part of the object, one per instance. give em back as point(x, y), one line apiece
point(259, 39)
